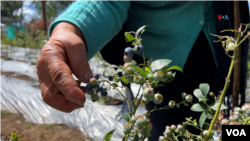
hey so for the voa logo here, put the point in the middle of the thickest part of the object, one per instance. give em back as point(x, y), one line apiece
point(236, 132)
point(225, 17)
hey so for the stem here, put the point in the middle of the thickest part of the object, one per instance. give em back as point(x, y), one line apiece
point(224, 89)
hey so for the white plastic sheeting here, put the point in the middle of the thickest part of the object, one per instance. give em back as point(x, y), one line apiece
point(19, 96)
point(94, 120)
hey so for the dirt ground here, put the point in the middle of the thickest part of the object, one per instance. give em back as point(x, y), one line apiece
point(37, 132)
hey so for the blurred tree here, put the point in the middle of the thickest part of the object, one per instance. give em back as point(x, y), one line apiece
point(53, 8)
point(9, 11)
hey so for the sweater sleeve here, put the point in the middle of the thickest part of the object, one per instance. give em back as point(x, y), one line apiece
point(98, 21)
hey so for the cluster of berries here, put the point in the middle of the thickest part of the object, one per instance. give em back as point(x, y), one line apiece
point(148, 95)
point(179, 130)
point(188, 98)
point(93, 88)
point(129, 52)
point(243, 112)
point(141, 122)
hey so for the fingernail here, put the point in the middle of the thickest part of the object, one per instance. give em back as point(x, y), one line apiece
point(80, 101)
point(87, 76)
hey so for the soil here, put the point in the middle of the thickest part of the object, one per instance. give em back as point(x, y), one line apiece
point(37, 132)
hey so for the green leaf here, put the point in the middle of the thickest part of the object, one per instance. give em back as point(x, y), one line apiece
point(129, 37)
point(140, 70)
point(204, 88)
point(118, 70)
point(209, 116)
point(114, 66)
point(215, 106)
point(206, 126)
point(136, 138)
point(175, 68)
point(159, 64)
point(19, 136)
point(121, 67)
point(140, 29)
point(199, 95)
point(108, 135)
point(198, 107)
point(202, 119)
point(147, 69)
point(127, 116)
point(124, 80)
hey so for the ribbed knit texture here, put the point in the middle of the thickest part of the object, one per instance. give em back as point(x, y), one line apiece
point(173, 26)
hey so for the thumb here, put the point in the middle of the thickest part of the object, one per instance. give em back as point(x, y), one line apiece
point(78, 62)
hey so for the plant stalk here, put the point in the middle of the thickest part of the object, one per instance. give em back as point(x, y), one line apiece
point(224, 89)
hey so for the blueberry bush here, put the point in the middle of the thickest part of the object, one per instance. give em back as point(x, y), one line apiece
point(149, 74)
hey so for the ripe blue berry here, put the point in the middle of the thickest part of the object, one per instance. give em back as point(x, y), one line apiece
point(96, 76)
point(139, 49)
point(99, 88)
point(104, 93)
point(89, 88)
point(110, 78)
point(129, 52)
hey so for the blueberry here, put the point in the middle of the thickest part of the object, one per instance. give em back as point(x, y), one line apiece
point(96, 76)
point(129, 52)
point(104, 93)
point(99, 88)
point(89, 88)
point(110, 78)
point(139, 49)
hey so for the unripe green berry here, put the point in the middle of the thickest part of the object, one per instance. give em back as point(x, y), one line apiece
point(167, 133)
point(189, 98)
point(164, 77)
point(211, 94)
point(180, 127)
point(93, 82)
point(141, 121)
point(173, 128)
point(150, 77)
point(183, 95)
point(157, 99)
point(130, 79)
point(224, 122)
point(170, 74)
point(234, 117)
point(148, 92)
point(171, 104)
point(237, 109)
point(145, 100)
point(138, 79)
point(231, 46)
point(129, 71)
point(146, 113)
point(133, 63)
point(177, 131)
point(117, 79)
point(94, 97)
point(158, 75)
point(162, 138)
point(245, 108)
point(127, 128)
point(133, 119)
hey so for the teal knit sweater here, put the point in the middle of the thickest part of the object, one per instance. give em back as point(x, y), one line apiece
point(173, 26)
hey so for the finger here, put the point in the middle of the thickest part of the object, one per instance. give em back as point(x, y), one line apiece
point(78, 61)
point(54, 59)
point(62, 77)
point(58, 100)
